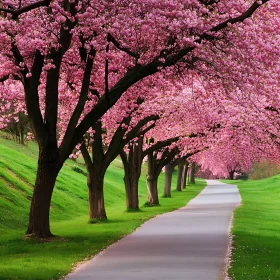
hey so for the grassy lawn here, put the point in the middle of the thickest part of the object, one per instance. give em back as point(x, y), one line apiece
point(256, 231)
point(77, 240)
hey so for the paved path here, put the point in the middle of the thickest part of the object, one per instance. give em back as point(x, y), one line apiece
point(187, 244)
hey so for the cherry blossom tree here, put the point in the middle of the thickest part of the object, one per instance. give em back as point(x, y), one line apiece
point(179, 120)
point(101, 157)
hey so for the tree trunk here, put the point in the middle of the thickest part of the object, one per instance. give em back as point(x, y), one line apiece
point(131, 189)
point(96, 169)
point(169, 168)
point(188, 174)
point(132, 170)
point(231, 175)
point(180, 176)
point(184, 176)
point(152, 190)
point(192, 173)
point(151, 181)
point(39, 223)
point(95, 184)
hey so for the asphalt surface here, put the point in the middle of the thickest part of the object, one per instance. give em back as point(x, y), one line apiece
point(187, 244)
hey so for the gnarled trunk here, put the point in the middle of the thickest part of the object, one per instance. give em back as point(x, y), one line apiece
point(169, 168)
point(179, 176)
point(48, 169)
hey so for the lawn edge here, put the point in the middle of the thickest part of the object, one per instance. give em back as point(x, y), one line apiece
point(230, 248)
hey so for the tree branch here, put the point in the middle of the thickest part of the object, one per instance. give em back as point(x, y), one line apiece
point(81, 102)
point(85, 154)
point(166, 157)
point(118, 46)
point(209, 2)
point(271, 109)
point(124, 158)
point(97, 144)
point(31, 90)
point(144, 131)
point(17, 12)
point(171, 60)
point(240, 18)
point(117, 142)
point(32, 97)
point(106, 78)
point(19, 59)
point(4, 78)
point(160, 144)
point(132, 133)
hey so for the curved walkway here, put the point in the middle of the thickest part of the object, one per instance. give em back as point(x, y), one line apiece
point(187, 244)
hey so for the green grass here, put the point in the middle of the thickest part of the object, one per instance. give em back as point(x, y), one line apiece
point(256, 231)
point(21, 258)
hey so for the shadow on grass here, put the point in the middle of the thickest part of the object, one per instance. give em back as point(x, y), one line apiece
point(146, 204)
point(105, 221)
point(130, 210)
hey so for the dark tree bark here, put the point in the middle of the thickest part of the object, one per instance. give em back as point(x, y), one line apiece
point(132, 167)
point(180, 175)
point(231, 174)
point(169, 168)
point(99, 161)
point(96, 195)
point(192, 173)
point(155, 166)
point(96, 169)
point(39, 225)
point(132, 170)
point(184, 177)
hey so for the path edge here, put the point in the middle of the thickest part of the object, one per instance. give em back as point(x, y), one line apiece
point(230, 248)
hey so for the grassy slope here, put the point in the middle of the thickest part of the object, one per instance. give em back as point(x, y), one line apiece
point(256, 231)
point(28, 259)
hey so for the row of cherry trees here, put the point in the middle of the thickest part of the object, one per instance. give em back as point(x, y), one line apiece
point(114, 77)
